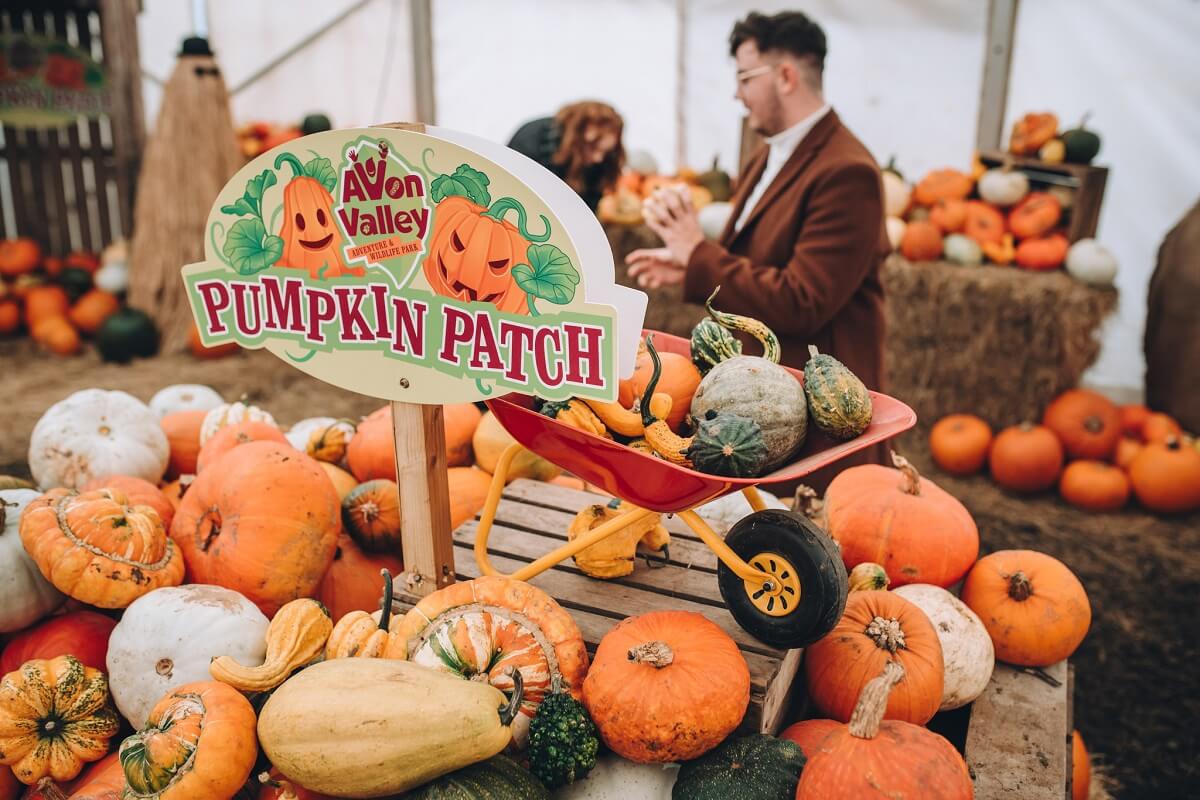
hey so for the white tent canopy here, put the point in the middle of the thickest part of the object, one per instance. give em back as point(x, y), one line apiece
point(905, 75)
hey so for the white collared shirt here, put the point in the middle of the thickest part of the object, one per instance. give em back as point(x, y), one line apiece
point(782, 145)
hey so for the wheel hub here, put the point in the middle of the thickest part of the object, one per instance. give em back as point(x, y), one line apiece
point(779, 595)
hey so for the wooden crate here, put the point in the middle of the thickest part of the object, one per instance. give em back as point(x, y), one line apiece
point(1086, 182)
point(532, 520)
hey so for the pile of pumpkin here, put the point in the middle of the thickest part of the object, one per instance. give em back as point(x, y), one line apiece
point(60, 301)
point(1097, 453)
point(256, 138)
point(641, 181)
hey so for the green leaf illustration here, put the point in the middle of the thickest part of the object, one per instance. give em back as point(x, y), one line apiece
point(465, 182)
point(549, 275)
point(257, 186)
point(241, 208)
point(249, 248)
point(322, 170)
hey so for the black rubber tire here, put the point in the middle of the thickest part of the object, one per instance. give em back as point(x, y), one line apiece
point(823, 582)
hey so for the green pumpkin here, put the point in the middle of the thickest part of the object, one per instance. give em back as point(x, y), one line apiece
point(838, 402)
point(717, 181)
point(712, 344)
point(498, 778)
point(1080, 145)
point(726, 444)
point(126, 335)
point(315, 123)
point(75, 281)
point(562, 739)
point(755, 767)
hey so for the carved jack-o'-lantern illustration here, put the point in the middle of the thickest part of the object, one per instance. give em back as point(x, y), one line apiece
point(311, 238)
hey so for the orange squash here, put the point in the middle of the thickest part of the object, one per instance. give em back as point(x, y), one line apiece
point(263, 521)
point(1001, 254)
point(1160, 427)
point(83, 634)
point(183, 433)
point(876, 628)
point(1087, 423)
point(1094, 486)
point(45, 301)
point(1033, 606)
point(959, 443)
point(91, 310)
point(680, 379)
point(18, 257)
point(922, 241)
point(942, 184)
point(1026, 458)
point(984, 223)
point(10, 316)
point(1034, 216)
point(231, 436)
point(949, 215)
point(893, 517)
point(1166, 476)
point(56, 335)
point(140, 493)
point(312, 240)
point(352, 581)
point(371, 513)
point(1043, 252)
point(1032, 131)
point(176, 489)
point(104, 780)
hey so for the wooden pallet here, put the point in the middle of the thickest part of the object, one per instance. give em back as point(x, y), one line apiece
point(532, 520)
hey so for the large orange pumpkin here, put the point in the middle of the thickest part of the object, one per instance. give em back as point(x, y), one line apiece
point(985, 224)
point(263, 520)
point(1087, 423)
point(893, 517)
point(469, 488)
point(1094, 486)
point(231, 436)
point(56, 335)
point(371, 513)
point(83, 634)
point(666, 686)
point(942, 184)
point(183, 433)
point(1026, 458)
point(878, 627)
point(460, 421)
point(312, 240)
point(91, 310)
point(1081, 769)
point(680, 379)
point(19, 256)
point(1034, 216)
point(1043, 252)
point(922, 241)
point(1166, 477)
point(959, 443)
point(352, 581)
point(949, 215)
point(1160, 427)
point(371, 453)
point(140, 493)
point(45, 301)
point(1033, 606)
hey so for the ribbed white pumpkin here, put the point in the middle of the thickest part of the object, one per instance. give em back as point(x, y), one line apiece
point(185, 397)
point(1091, 262)
point(232, 414)
point(967, 650)
point(724, 512)
point(1003, 187)
point(94, 433)
point(25, 596)
point(615, 778)
point(167, 638)
point(298, 434)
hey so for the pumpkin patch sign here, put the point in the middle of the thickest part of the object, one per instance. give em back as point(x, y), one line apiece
point(416, 264)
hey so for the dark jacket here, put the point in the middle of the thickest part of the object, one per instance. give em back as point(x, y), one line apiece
point(539, 140)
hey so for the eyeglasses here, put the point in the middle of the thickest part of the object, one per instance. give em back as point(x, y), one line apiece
point(745, 75)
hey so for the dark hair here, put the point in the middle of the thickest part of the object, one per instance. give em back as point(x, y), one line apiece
point(789, 31)
point(573, 121)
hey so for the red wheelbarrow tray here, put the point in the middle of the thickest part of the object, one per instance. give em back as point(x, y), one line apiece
point(659, 485)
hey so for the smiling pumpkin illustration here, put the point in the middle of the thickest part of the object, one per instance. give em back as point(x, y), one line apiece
point(311, 238)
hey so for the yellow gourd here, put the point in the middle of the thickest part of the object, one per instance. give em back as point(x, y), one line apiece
point(613, 557)
point(363, 635)
point(625, 421)
point(295, 637)
point(577, 414)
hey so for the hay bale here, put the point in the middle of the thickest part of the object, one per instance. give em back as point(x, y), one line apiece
point(665, 309)
point(993, 341)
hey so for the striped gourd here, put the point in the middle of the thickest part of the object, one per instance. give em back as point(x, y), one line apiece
point(712, 344)
point(838, 402)
point(736, 322)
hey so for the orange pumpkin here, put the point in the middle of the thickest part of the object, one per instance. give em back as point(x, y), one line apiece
point(1094, 486)
point(104, 780)
point(1133, 419)
point(949, 215)
point(922, 241)
point(1166, 477)
point(1043, 252)
point(312, 240)
point(10, 316)
point(371, 513)
point(10, 787)
point(1126, 452)
point(45, 301)
point(176, 489)
point(959, 443)
point(666, 686)
point(1033, 606)
point(198, 349)
point(264, 521)
point(1026, 458)
point(1160, 427)
point(877, 627)
point(83, 634)
point(1001, 254)
point(1081, 769)
point(91, 310)
point(81, 259)
point(630, 181)
point(343, 482)
point(1032, 131)
point(679, 378)
point(371, 453)
point(460, 421)
point(56, 335)
point(231, 436)
point(473, 250)
point(183, 434)
point(984, 223)
point(877, 757)
point(893, 517)
point(1037, 214)
point(1087, 423)
point(140, 493)
point(352, 581)
point(942, 184)
point(19, 256)
point(469, 487)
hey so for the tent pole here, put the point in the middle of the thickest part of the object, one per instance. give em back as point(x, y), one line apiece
point(681, 19)
point(997, 64)
point(422, 53)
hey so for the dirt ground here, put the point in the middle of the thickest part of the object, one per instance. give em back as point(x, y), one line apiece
point(1137, 683)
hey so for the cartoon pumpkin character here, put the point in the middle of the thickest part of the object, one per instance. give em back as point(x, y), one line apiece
point(474, 250)
point(311, 238)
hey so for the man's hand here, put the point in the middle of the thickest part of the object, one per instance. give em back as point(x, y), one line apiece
point(670, 214)
point(655, 268)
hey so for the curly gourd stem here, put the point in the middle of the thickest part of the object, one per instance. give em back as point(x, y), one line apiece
point(872, 703)
point(291, 161)
point(912, 478)
point(756, 328)
point(887, 634)
point(509, 712)
point(659, 435)
point(656, 654)
point(506, 204)
point(385, 614)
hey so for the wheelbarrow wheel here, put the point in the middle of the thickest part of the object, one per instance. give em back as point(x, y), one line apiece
point(807, 593)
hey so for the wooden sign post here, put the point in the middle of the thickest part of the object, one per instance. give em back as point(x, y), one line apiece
point(428, 547)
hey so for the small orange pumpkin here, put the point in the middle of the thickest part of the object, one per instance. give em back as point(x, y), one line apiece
point(1160, 427)
point(361, 634)
point(922, 241)
point(942, 184)
point(1026, 458)
point(1133, 419)
point(18, 257)
point(231, 436)
point(140, 493)
point(198, 349)
point(680, 379)
point(1043, 252)
point(1081, 769)
point(1094, 486)
point(949, 215)
point(1033, 606)
point(984, 223)
point(183, 434)
point(10, 316)
point(1032, 131)
point(371, 513)
point(1166, 477)
point(959, 443)
point(82, 259)
point(352, 581)
point(371, 452)
point(91, 310)
point(1001, 254)
point(1126, 452)
point(1087, 423)
point(45, 301)
point(56, 335)
point(1035, 215)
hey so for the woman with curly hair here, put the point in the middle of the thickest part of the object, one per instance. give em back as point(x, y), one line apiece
point(580, 144)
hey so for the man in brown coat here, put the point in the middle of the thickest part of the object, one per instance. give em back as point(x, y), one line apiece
point(806, 237)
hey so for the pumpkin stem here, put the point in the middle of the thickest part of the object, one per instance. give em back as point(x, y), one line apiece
point(385, 614)
point(506, 204)
point(509, 712)
point(887, 633)
point(872, 703)
point(294, 163)
point(1172, 443)
point(1084, 120)
point(47, 789)
point(912, 478)
point(1093, 424)
point(1019, 587)
point(656, 654)
point(806, 501)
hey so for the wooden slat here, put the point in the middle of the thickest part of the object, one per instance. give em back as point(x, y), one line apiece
point(96, 160)
point(54, 185)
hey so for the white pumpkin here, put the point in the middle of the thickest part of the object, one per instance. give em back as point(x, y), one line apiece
point(112, 277)
point(713, 218)
point(896, 194)
point(232, 414)
point(615, 778)
point(1091, 262)
point(895, 231)
point(960, 249)
point(167, 638)
point(641, 162)
point(94, 433)
point(724, 512)
point(298, 434)
point(1003, 187)
point(185, 397)
point(967, 650)
point(25, 595)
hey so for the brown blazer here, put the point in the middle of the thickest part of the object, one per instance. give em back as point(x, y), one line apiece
point(807, 260)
